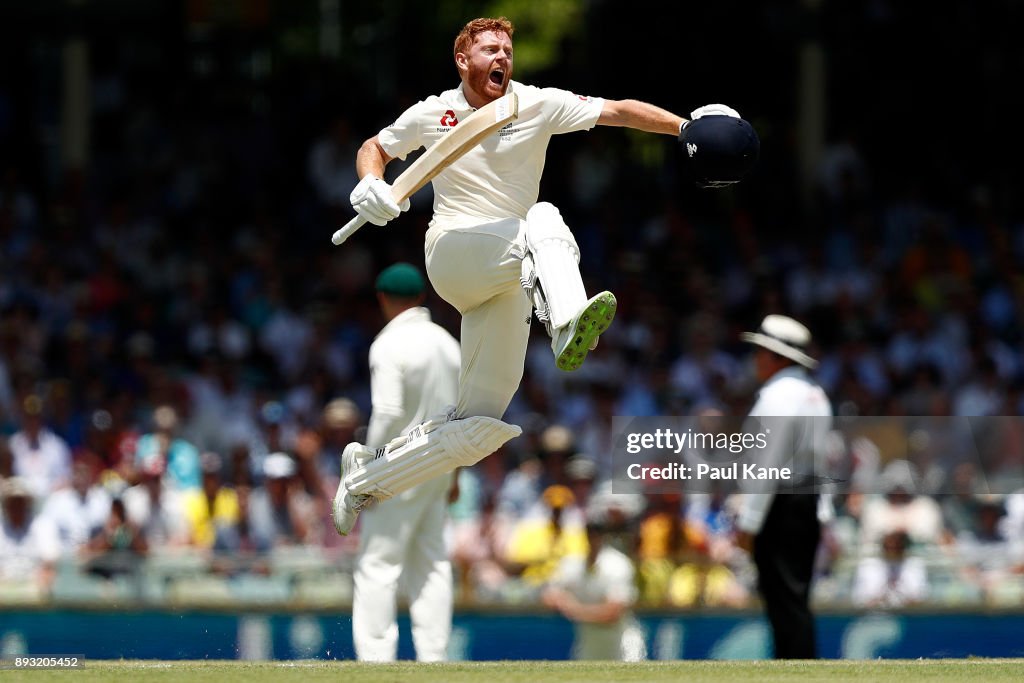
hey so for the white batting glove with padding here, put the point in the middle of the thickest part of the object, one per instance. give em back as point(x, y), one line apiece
point(714, 110)
point(372, 199)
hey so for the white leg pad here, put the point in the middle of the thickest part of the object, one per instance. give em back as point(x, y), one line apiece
point(430, 450)
point(556, 259)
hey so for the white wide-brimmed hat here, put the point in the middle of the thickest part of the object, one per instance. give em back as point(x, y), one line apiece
point(784, 336)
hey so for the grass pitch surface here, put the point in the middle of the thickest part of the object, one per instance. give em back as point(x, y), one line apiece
point(530, 672)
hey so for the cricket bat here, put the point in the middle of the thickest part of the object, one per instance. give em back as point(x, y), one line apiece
point(460, 139)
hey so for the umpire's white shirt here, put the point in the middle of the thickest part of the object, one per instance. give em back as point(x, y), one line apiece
point(797, 443)
point(499, 178)
point(414, 374)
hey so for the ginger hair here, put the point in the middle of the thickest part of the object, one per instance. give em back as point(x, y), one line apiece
point(477, 26)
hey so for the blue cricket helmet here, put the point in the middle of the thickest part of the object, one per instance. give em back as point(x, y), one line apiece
point(719, 150)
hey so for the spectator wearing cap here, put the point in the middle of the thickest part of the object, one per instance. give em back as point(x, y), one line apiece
point(339, 421)
point(580, 473)
point(597, 592)
point(180, 457)
point(778, 521)
point(279, 511)
point(414, 375)
point(29, 544)
point(212, 511)
point(40, 457)
point(317, 452)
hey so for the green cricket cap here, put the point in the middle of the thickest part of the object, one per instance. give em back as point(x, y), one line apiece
point(400, 279)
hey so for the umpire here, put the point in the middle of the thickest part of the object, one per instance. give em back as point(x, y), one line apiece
point(778, 519)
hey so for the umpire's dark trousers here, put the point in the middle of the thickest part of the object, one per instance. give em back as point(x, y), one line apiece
point(784, 553)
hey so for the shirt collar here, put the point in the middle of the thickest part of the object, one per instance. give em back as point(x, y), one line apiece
point(789, 371)
point(460, 95)
point(414, 314)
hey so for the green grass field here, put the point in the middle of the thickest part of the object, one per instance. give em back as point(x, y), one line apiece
point(529, 672)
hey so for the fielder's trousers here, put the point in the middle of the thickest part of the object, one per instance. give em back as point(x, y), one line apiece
point(401, 546)
point(784, 553)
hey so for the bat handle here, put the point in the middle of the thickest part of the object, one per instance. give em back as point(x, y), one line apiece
point(346, 230)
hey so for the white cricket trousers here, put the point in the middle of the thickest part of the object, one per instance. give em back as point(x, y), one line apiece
point(401, 545)
point(477, 271)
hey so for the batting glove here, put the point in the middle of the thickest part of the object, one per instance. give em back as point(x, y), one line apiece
point(372, 199)
point(714, 110)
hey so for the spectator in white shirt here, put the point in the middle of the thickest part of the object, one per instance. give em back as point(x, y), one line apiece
point(40, 457)
point(29, 545)
point(79, 510)
point(892, 580)
point(901, 509)
point(155, 507)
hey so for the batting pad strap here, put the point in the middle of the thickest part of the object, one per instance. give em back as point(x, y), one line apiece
point(531, 284)
point(556, 259)
point(430, 453)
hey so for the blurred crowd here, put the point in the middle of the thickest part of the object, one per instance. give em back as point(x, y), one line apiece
point(130, 498)
point(183, 354)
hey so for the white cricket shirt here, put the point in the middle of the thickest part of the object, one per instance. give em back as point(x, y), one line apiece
point(610, 578)
point(414, 374)
point(500, 177)
point(789, 393)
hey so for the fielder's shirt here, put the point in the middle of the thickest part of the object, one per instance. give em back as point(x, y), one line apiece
point(500, 177)
point(414, 374)
point(610, 578)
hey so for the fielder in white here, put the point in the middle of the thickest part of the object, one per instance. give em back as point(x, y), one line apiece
point(597, 594)
point(414, 373)
point(492, 252)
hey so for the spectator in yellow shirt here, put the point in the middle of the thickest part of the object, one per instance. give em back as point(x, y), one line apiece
point(213, 512)
point(538, 544)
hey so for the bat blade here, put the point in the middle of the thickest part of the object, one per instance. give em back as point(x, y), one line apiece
point(470, 132)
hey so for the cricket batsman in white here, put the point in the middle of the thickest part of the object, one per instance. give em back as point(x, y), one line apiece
point(495, 253)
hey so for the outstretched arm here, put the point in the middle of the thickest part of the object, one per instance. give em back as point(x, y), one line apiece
point(641, 116)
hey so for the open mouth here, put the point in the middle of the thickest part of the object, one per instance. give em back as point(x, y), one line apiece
point(497, 77)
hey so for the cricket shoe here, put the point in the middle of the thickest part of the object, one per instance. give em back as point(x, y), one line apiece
point(572, 342)
point(347, 506)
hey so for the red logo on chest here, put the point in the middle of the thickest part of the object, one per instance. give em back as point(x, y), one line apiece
point(449, 119)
